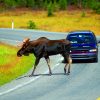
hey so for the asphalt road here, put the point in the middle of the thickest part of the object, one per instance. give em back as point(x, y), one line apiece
point(82, 84)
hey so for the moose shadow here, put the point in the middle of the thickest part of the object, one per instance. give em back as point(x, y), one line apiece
point(36, 75)
point(82, 61)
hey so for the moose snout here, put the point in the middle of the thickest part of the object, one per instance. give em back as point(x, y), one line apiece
point(18, 54)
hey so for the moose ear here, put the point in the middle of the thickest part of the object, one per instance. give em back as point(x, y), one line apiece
point(26, 40)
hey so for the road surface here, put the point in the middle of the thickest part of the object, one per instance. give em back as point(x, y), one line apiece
point(82, 84)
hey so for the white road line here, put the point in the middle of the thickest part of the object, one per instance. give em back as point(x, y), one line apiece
point(21, 85)
point(10, 40)
point(18, 86)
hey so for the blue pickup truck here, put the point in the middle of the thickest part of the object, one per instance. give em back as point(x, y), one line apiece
point(83, 45)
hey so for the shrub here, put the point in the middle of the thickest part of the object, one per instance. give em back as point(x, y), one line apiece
point(45, 4)
point(63, 4)
point(31, 25)
point(83, 14)
point(10, 3)
point(31, 3)
point(22, 3)
point(50, 9)
point(95, 5)
point(55, 6)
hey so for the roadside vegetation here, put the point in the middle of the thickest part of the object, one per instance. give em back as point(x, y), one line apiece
point(12, 66)
point(62, 21)
point(51, 15)
point(53, 4)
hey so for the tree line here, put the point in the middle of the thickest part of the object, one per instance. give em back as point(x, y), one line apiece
point(52, 4)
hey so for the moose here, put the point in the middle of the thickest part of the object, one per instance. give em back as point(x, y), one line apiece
point(44, 47)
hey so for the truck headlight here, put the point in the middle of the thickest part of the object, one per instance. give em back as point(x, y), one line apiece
point(93, 50)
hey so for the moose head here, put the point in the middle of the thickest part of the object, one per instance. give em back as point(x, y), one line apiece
point(23, 48)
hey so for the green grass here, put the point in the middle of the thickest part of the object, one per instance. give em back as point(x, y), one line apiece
point(12, 66)
point(62, 21)
point(5, 51)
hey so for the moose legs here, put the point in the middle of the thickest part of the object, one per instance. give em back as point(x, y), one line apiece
point(36, 63)
point(68, 59)
point(48, 63)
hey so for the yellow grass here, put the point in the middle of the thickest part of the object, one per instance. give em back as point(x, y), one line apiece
point(12, 66)
point(98, 98)
point(62, 21)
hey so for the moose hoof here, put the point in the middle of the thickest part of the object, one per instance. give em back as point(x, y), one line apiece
point(68, 73)
point(31, 75)
point(50, 73)
point(64, 71)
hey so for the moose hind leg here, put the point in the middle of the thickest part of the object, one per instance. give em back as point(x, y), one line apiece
point(65, 68)
point(70, 62)
point(48, 63)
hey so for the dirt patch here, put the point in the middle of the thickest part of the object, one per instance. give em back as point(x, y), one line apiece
point(6, 68)
point(10, 46)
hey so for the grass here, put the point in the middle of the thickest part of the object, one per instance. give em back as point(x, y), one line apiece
point(62, 21)
point(12, 66)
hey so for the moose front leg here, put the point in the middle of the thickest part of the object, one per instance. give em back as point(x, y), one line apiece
point(36, 63)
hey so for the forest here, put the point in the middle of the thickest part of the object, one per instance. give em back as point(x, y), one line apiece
point(51, 4)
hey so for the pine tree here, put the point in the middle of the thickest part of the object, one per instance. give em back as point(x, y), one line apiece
point(63, 4)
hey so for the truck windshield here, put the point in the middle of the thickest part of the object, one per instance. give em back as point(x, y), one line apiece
point(81, 38)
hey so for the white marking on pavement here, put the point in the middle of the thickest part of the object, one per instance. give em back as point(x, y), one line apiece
point(21, 85)
point(10, 40)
